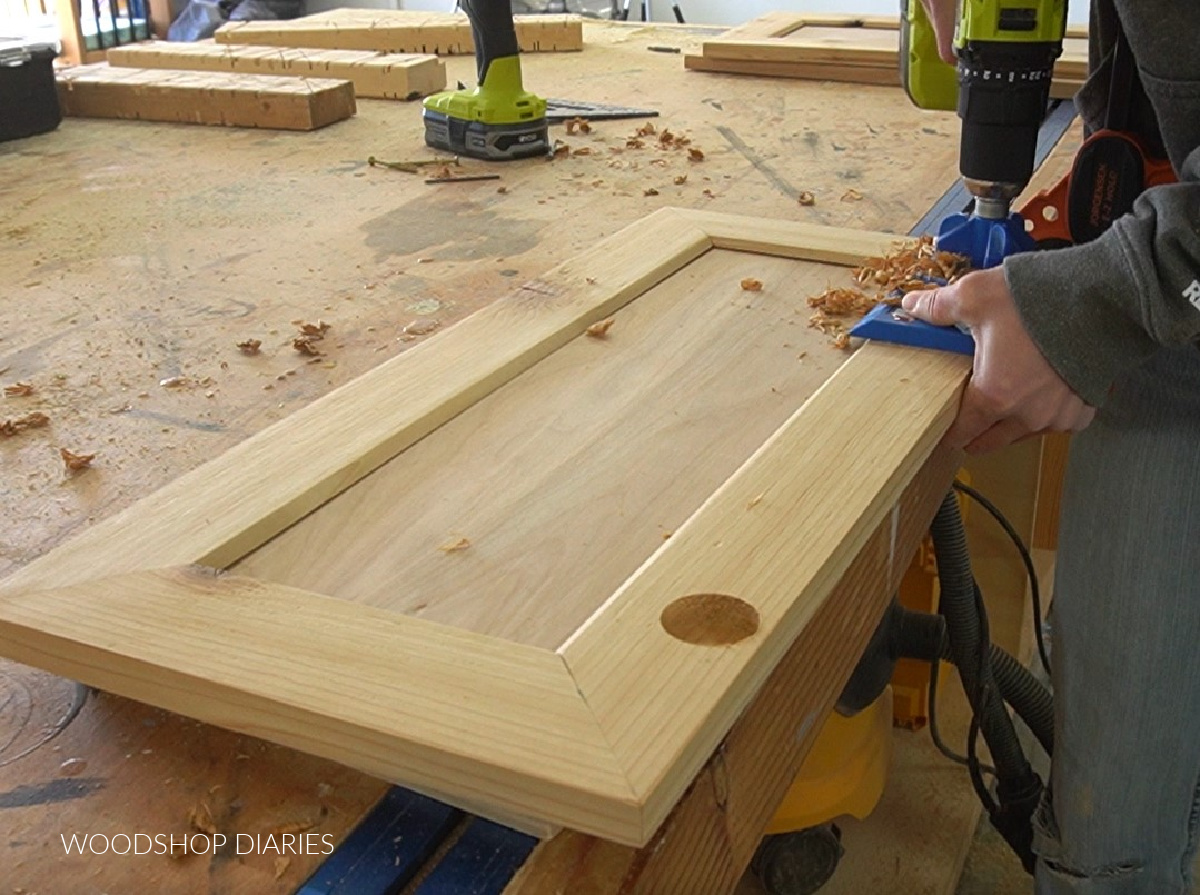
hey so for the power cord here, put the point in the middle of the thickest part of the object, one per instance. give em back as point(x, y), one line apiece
point(1034, 588)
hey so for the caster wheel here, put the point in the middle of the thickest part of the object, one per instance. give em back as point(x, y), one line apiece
point(798, 863)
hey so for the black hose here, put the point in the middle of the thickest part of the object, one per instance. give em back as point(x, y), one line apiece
point(958, 607)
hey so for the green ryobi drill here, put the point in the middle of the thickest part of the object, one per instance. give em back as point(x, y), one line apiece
point(1006, 51)
point(499, 120)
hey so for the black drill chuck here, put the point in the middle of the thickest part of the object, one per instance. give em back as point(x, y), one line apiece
point(1003, 90)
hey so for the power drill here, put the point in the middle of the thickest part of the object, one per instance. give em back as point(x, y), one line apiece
point(1006, 51)
point(499, 120)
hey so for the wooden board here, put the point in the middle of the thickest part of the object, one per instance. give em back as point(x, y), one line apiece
point(502, 727)
point(234, 100)
point(862, 49)
point(403, 76)
point(401, 31)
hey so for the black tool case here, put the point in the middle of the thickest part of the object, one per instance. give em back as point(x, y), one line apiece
point(28, 97)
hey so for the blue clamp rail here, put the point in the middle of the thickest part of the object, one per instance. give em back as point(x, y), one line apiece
point(397, 839)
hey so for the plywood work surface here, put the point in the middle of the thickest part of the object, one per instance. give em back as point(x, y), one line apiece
point(511, 520)
point(235, 100)
point(376, 75)
point(137, 263)
point(401, 31)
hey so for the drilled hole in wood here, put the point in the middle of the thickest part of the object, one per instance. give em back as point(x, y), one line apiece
point(710, 619)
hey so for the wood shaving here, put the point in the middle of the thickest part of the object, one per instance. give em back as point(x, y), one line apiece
point(560, 148)
point(18, 390)
point(681, 180)
point(304, 344)
point(75, 462)
point(754, 501)
point(422, 326)
point(806, 199)
point(750, 284)
point(883, 280)
point(455, 546)
point(578, 124)
point(695, 155)
point(172, 382)
point(501, 189)
point(294, 826)
point(708, 193)
point(650, 191)
point(634, 143)
point(600, 330)
point(315, 330)
point(647, 130)
point(34, 420)
point(852, 196)
point(582, 150)
point(250, 346)
point(201, 820)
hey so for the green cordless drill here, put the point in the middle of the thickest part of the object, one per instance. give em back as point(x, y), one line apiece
point(1006, 51)
point(499, 120)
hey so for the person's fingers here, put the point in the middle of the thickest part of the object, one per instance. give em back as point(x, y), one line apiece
point(937, 306)
point(1083, 418)
point(1002, 434)
point(974, 418)
point(941, 14)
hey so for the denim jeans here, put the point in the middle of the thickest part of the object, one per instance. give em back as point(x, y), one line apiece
point(1121, 814)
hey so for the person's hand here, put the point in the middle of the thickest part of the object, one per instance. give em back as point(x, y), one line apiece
point(1013, 392)
point(942, 14)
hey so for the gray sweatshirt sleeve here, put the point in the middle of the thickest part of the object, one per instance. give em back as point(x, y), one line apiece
point(1098, 309)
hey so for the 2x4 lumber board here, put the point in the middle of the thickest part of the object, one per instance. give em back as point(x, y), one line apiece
point(233, 100)
point(450, 712)
point(556, 482)
point(817, 513)
point(402, 76)
point(337, 440)
point(802, 71)
point(401, 31)
point(709, 838)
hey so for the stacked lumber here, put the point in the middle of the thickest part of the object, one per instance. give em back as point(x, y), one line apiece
point(400, 31)
point(403, 76)
point(236, 100)
point(858, 50)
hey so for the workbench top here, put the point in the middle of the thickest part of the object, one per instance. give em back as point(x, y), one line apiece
point(138, 255)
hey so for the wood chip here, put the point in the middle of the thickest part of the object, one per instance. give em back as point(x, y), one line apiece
point(634, 143)
point(34, 420)
point(695, 155)
point(293, 826)
point(422, 326)
point(250, 346)
point(806, 199)
point(600, 330)
point(650, 191)
point(304, 344)
point(560, 148)
point(754, 501)
point(501, 189)
point(681, 180)
point(647, 130)
point(582, 150)
point(750, 284)
point(455, 546)
point(578, 124)
point(18, 390)
point(172, 382)
point(201, 820)
point(315, 330)
point(852, 196)
point(842, 341)
point(75, 462)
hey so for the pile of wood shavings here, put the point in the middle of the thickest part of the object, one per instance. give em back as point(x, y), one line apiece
point(890, 278)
